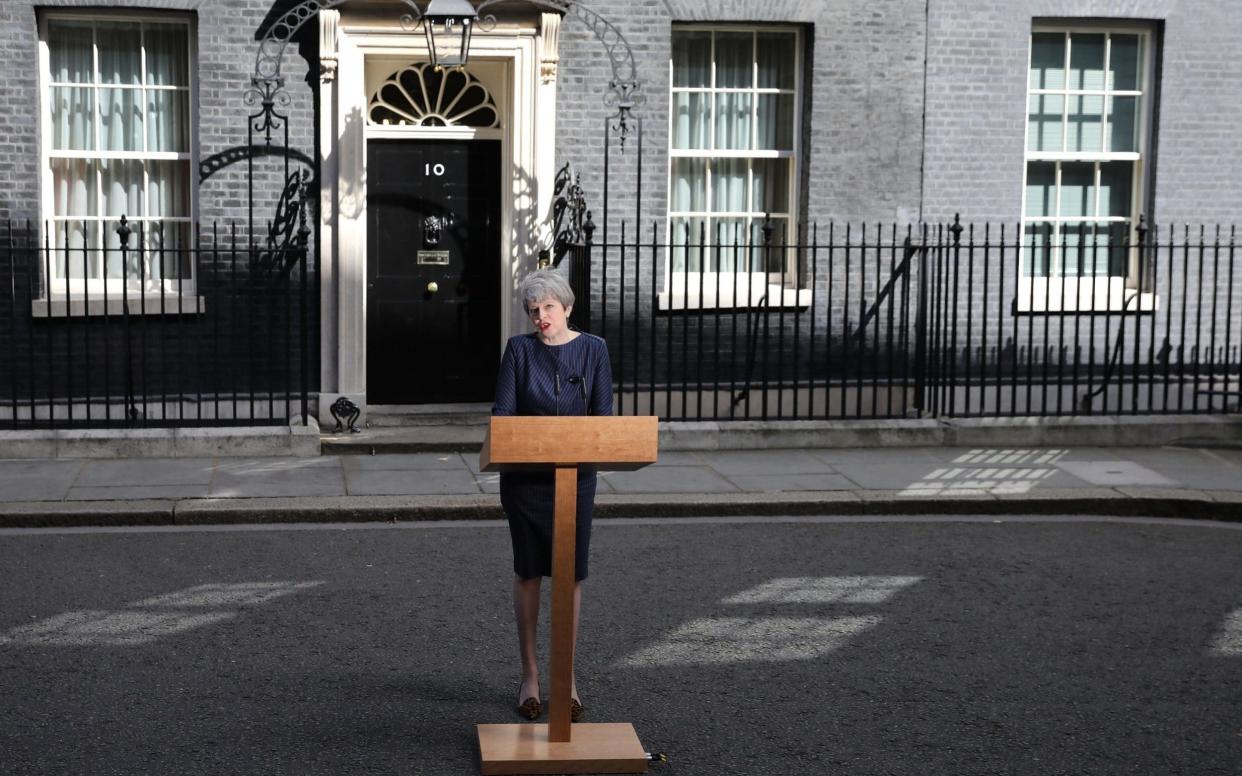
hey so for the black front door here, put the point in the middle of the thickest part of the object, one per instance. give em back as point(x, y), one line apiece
point(433, 270)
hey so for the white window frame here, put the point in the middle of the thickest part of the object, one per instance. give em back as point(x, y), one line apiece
point(736, 289)
point(106, 296)
point(1055, 293)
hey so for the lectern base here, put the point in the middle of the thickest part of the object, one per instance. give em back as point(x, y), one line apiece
point(602, 747)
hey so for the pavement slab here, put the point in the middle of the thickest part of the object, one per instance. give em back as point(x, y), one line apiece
point(867, 455)
point(30, 480)
point(1204, 469)
point(1116, 472)
point(414, 482)
point(136, 492)
point(263, 477)
point(762, 462)
point(148, 471)
point(669, 479)
point(768, 483)
point(401, 462)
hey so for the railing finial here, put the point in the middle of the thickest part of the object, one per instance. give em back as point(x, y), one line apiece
point(123, 231)
point(588, 228)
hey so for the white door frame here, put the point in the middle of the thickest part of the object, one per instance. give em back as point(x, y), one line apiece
point(525, 98)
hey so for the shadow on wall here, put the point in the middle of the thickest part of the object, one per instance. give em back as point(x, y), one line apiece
point(295, 194)
point(231, 156)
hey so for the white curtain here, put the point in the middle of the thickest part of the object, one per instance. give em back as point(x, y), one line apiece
point(775, 116)
point(690, 120)
point(735, 60)
point(731, 251)
point(167, 116)
point(689, 185)
point(120, 120)
point(73, 203)
point(688, 236)
point(120, 53)
point(72, 118)
point(775, 57)
point(733, 121)
point(729, 178)
point(771, 186)
point(692, 59)
point(73, 188)
point(1116, 180)
point(122, 188)
point(166, 55)
point(168, 197)
point(71, 53)
point(121, 181)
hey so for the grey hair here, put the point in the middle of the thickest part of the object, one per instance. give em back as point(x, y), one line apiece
point(544, 283)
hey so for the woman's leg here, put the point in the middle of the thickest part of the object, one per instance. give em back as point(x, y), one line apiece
point(526, 612)
point(573, 681)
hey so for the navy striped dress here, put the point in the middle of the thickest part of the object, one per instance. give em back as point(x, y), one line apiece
point(539, 379)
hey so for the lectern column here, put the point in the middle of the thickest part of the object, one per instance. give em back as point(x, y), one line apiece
point(564, 547)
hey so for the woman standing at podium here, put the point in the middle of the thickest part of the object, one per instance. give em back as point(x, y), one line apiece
point(555, 370)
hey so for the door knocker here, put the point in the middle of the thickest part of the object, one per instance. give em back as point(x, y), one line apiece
point(433, 226)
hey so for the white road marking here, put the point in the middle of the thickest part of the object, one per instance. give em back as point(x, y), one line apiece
point(824, 590)
point(108, 629)
point(1228, 643)
point(225, 594)
point(721, 640)
point(151, 618)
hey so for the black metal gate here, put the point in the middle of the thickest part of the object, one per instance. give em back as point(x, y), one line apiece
point(946, 321)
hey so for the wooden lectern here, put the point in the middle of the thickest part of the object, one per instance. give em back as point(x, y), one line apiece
point(534, 443)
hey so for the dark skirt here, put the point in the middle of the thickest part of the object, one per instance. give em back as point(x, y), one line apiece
point(528, 500)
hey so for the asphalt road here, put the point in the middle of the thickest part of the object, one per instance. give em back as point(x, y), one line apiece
point(815, 646)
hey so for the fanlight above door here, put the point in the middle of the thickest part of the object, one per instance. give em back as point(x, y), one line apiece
point(424, 96)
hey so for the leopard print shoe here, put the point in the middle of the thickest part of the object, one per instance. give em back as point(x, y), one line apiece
point(531, 708)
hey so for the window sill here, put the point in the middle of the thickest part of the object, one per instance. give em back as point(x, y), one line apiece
point(773, 297)
point(169, 304)
point(1072, 296)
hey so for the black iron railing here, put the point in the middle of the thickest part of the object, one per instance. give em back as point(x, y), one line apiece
point(931, 321)
point(151, 330)
point(835, 322)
